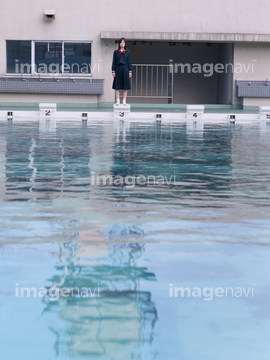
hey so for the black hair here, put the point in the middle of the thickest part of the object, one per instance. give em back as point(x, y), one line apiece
point(119, 42)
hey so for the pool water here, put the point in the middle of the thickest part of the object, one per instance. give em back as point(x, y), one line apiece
point(198, 219)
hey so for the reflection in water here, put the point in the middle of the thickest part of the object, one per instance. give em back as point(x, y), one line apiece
point(31, 164)
point(60, 164)
point(206, 163)
point(114, 319)
point(210, 229)
point(56, 162)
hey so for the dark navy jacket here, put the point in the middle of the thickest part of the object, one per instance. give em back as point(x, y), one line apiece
point(121, 59)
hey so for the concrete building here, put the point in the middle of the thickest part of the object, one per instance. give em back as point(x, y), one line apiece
point(207, 52)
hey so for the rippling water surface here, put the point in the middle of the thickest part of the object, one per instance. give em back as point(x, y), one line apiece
point(199, 220)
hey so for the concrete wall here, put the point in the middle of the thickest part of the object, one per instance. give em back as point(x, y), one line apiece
point(56, 98)
point(225, 79)
point(252, 62)
point(85, 20)
point(86, 16)
point(256, 101)
point(74, 21)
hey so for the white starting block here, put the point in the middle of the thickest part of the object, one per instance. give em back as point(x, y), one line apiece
point(194, 111)
point(121, 111)
point(264, 113)
point(47, 110)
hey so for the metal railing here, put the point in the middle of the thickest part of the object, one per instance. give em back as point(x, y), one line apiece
point(152, 81)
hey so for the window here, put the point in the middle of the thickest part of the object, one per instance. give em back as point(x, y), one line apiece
point(77, 57)
point(48, 57)
point(19, 57)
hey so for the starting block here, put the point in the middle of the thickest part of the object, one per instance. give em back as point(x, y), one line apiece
point(121, 111)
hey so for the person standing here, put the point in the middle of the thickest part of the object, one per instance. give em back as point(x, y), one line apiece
point(121, 70)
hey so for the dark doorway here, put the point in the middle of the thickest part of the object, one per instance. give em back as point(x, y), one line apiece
point(202, 72)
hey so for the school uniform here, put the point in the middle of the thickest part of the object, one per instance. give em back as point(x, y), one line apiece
point(121, 66)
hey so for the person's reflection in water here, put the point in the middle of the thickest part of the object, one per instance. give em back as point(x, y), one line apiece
point(115, 320)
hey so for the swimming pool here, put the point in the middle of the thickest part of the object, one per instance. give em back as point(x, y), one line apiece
point(134, 241)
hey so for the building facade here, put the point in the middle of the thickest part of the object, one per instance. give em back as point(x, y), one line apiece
point(207, 52)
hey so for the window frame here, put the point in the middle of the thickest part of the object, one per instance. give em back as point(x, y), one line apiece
point(51, 74)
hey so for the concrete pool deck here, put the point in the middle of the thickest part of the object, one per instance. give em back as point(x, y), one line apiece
point(141, 112)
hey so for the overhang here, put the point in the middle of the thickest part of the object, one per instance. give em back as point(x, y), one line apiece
point(184, 36)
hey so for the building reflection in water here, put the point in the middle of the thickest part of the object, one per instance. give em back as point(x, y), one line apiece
point(47, 162)
point(115, 319)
